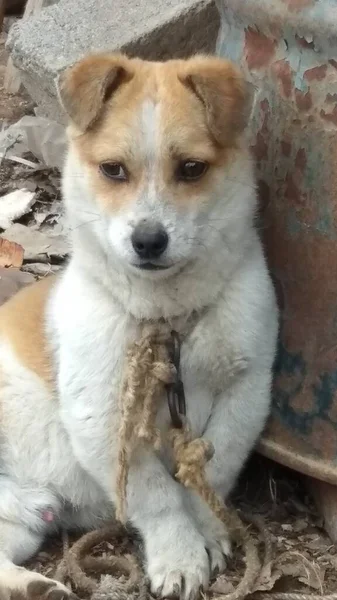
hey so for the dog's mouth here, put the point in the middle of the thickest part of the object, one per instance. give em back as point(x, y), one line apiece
point(149, 266)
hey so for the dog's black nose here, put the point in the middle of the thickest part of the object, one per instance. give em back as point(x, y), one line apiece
point(149, 240)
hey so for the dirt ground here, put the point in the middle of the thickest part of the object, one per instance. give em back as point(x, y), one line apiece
point(309, 559)
point(304, 559)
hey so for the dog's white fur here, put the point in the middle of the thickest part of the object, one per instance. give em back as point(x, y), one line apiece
point(58, 446)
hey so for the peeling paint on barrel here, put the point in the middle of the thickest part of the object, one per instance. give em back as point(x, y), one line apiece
point(287, 54)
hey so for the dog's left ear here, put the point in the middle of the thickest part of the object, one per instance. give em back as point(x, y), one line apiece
point(221, 88)
point(84, 88)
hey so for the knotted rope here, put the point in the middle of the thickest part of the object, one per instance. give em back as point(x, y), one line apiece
point(148, 371)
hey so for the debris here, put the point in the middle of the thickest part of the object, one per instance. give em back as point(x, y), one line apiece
point(23, 161)
point(222, 585)
point(41, 269)
point(38, 246)
point(268, 578)
point(287, 527)
point(11, 280)
point(298, 566)
point(50, 214)
point(300, 525)
point(43, 138)
point(18, 184)
point(112, 587)
point(314, 578)
point(11, 253)
point(14, 205)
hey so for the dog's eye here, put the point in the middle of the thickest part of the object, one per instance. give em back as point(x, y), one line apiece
point(113, 171)
point(191, 169)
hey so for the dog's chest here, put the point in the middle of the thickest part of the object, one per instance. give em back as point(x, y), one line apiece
point(94, 336)
point(95, 371)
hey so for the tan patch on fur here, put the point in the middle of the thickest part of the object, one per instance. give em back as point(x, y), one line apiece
point(202, 111)
point(22, 324)
point(84, 88)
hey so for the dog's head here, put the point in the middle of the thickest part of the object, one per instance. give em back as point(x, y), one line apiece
point(156, 162)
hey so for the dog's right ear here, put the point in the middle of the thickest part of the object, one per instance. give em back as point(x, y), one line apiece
point(85, 87)
point(222, 90)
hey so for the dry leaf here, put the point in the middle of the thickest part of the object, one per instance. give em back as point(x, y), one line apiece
point(291, 564)
point(39, 247)
point(11, 280)
point(267, 579)
point(300, 525)
point(222, 586)
point(298, 566)
point(41, 269)
point(52, 211)
point(314, 577)
point(11, 253)
point(14, 205)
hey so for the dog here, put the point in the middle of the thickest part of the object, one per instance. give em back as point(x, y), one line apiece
point(160, 197)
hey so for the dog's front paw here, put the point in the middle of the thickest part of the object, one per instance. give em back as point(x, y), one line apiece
point(216, 538)
point(17, 582)
point(177, 561)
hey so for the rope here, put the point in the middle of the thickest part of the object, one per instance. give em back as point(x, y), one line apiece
point(148, 370)
point(191, 457)
point(122, 575)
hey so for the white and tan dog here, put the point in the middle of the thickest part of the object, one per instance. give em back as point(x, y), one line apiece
point(160, 197)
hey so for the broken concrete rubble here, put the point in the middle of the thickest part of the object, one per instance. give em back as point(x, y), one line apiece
point(60, 34)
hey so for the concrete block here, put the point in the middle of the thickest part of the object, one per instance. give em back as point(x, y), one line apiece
point(62, 33)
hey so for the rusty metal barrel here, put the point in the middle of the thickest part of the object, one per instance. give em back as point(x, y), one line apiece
point(288, 51)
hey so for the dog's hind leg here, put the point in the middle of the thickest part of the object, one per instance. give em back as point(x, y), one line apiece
point(21, 535)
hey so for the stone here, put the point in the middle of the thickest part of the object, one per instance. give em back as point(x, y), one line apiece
point(60, 34)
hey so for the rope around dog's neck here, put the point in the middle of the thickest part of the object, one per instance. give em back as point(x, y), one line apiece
point(148, 370)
